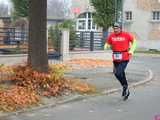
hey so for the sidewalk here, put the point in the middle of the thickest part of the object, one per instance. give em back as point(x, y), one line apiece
point(102, 78)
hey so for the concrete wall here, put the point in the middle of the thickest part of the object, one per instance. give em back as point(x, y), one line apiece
point(146, 31)
point(103, 55)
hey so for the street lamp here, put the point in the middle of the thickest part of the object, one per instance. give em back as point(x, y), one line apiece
point(119, 11)
point(115, 11)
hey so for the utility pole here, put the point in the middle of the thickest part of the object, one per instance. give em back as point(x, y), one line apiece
point(119, 11)
point(115, 10)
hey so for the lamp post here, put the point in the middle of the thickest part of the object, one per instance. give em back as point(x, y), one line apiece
point(115, 10)
point(119, 11)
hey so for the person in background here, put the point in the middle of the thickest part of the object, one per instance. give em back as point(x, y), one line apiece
point(123, 45)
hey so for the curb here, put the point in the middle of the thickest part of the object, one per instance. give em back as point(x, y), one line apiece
point(148, 79)
point(80, 97)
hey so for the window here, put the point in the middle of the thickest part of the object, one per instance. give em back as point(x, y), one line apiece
point(89, 24)
point(156, 15)
point(128, 15)
point(81, 24)
point(93, 26)
point(89, 15)
point(85, 22)
point(82, 15)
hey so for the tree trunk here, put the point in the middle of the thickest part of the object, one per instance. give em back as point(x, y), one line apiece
point(37, 47)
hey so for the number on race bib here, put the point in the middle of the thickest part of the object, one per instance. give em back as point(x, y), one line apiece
point(117, 56)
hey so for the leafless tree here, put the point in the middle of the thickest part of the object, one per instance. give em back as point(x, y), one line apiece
point(57, 8)
point(3, 10)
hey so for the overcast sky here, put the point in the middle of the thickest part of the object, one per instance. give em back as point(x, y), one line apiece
point(8, 1)
point(4, 1)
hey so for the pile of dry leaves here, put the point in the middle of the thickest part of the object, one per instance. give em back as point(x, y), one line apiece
point(27, 86)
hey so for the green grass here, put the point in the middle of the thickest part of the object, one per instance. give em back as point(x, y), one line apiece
point(148, 51)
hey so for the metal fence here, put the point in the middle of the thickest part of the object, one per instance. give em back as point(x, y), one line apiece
point(12, 36)
point(90, 40)
point(13, 40)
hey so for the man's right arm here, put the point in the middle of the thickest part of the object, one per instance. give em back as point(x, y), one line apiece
point(106, 46)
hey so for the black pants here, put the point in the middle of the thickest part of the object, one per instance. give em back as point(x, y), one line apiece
point(119, 72)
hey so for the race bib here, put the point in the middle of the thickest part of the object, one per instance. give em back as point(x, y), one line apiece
point(117, 56)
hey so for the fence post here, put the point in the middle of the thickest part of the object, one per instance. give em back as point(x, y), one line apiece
point(91, 41)
point(64, 47)
point(81, 40)
point(14, 34)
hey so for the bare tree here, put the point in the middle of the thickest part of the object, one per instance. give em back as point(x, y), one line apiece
point(37, 56)
point(3, 10)
point(57, 8)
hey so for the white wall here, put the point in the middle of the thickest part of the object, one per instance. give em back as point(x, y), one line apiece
point(140, 26)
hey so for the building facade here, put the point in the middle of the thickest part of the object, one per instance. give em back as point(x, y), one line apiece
point(142, 18)
point(82, 11)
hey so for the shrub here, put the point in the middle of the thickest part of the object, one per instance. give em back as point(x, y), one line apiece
point(55, 34)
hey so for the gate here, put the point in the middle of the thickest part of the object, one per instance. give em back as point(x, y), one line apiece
point(90, 40)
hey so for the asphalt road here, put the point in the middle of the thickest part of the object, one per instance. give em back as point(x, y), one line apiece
point(143, 104)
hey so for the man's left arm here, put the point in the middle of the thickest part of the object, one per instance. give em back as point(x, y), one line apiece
point(133, 46)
